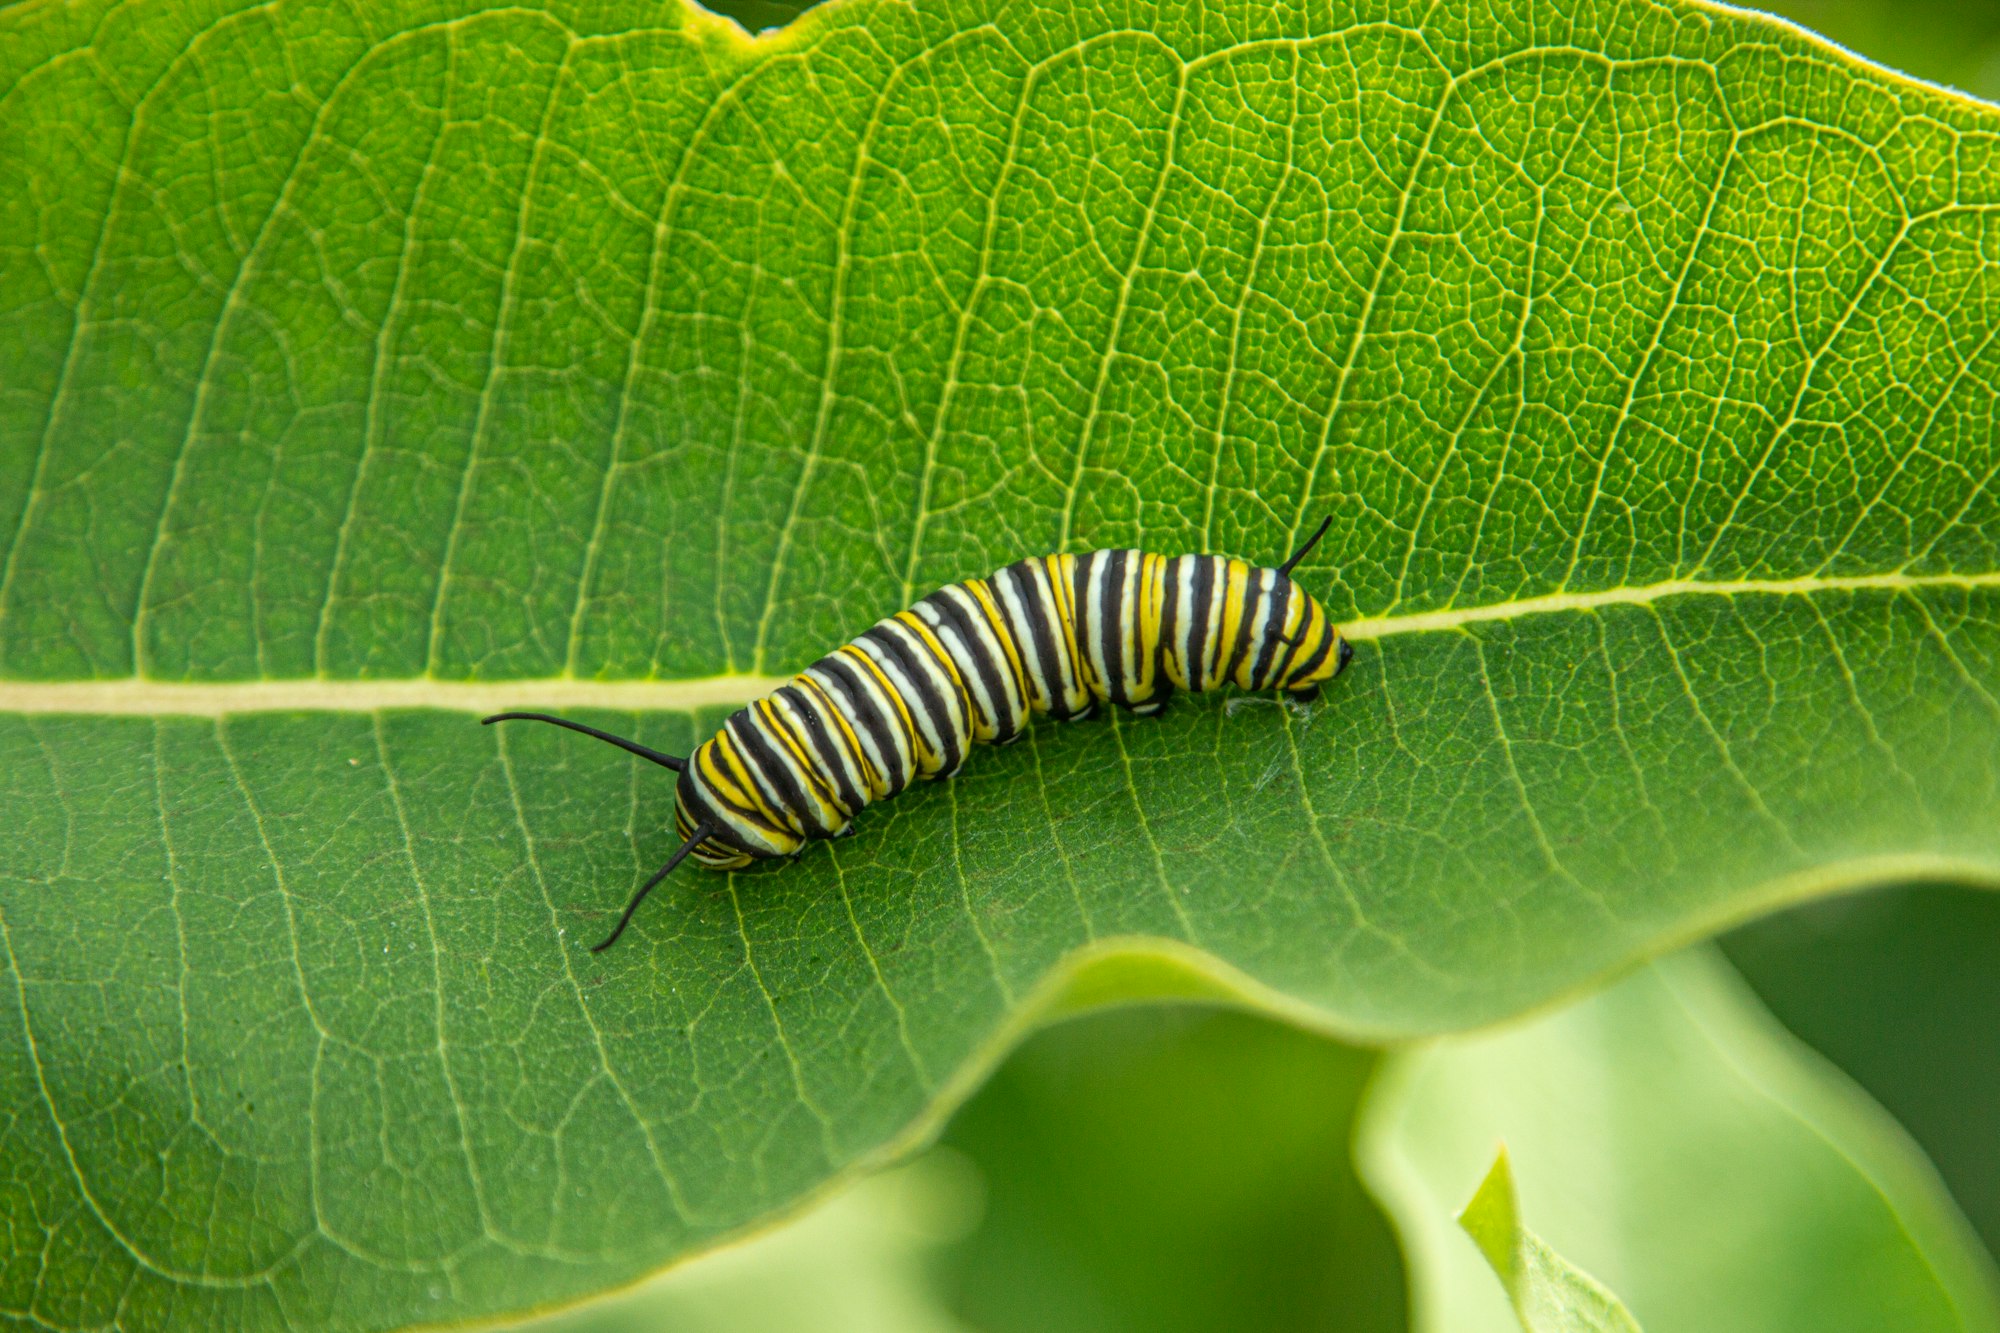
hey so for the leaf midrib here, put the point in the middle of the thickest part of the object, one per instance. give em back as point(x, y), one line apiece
point(141, 696)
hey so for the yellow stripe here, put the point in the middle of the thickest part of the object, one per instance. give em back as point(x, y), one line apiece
point(1144, 620)
point(1061, 570)
point(1298, 618)
point(1152, 610)
point(721, 787)
point(767, 807)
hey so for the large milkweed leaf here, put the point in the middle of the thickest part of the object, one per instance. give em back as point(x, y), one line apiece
point(365, 365)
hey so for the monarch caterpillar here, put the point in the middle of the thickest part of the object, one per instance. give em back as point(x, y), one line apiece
point(1054, 634)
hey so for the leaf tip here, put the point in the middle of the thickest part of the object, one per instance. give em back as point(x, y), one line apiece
point(1492, 1216)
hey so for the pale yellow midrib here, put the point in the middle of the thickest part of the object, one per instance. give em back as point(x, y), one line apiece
point(135, 696)
point(1431, 621)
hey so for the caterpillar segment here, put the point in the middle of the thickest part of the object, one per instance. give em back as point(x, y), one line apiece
point(974, 662)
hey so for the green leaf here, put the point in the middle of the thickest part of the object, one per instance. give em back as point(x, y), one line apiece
point(1550, 1294)
point(1674, 1141)
point(367, 367)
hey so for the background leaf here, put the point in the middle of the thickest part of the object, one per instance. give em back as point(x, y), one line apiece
point(1899, 990)
point(1550, 1294)
point(365, 365)
point(1672, 1140)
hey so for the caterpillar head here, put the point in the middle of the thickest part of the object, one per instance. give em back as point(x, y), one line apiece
point(1312, 651)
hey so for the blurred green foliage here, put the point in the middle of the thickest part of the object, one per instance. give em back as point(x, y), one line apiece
point(1955, 42)
point(1155, 1168)
point(1549, 1294)
point(1172, 1169)
point(1902, 991)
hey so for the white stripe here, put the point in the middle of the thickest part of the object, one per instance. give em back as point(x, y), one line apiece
point(1092, 629)
point(1190, 669)
point(1138, 664)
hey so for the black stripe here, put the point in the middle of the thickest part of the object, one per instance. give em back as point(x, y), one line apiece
point(933, 706)
point(820, 736)
point(758, 750)
point(983, 666)
point(776, 730)
point(880, 729)
point(1113, 632)
point(1046, 649)
point(1274, 627)
point(1252, 586)
point(1082, 618)
point(1204, 595)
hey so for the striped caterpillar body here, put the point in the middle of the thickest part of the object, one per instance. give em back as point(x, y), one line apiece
point(1057, 634)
